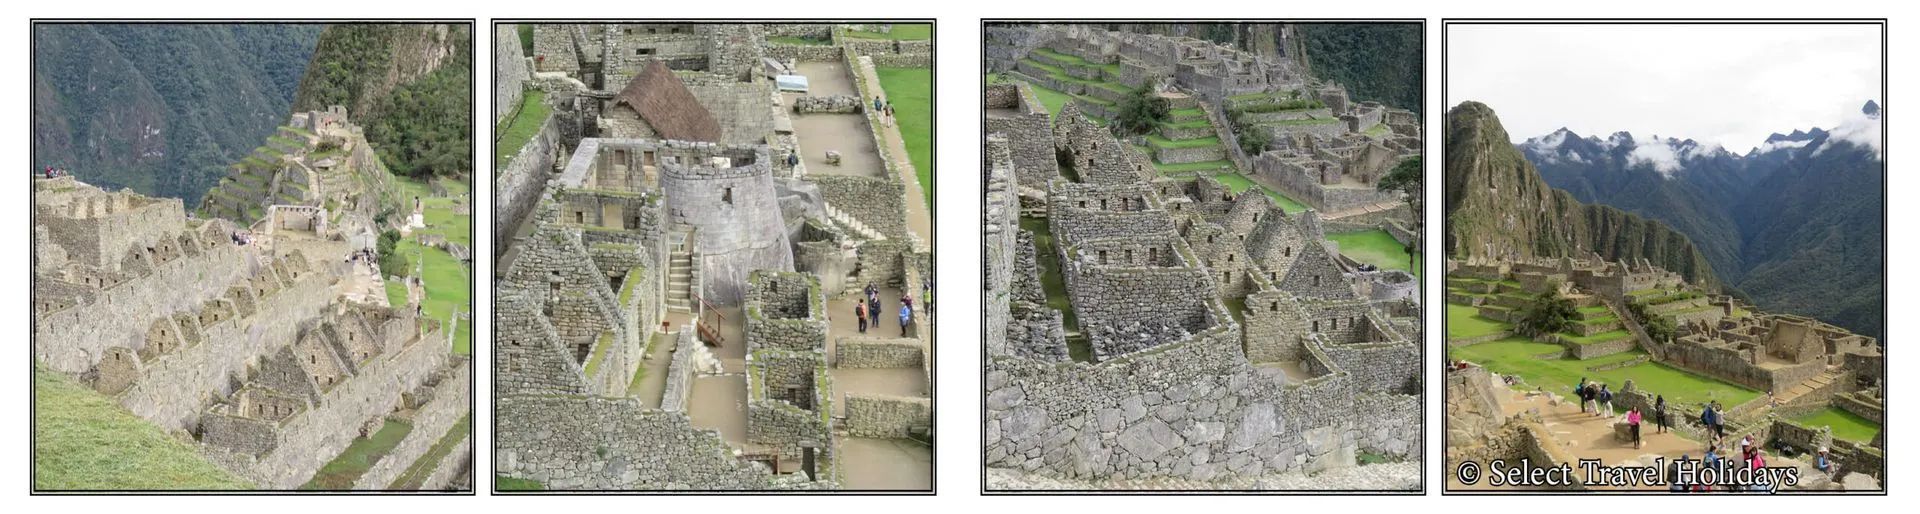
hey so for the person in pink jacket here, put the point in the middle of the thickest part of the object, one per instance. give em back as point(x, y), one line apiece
point(1633, 424)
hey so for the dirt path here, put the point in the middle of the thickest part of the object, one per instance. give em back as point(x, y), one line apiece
point(919, 218)
point(890, 464)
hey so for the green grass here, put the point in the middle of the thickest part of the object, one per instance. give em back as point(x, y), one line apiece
point(796, 40)
point(1515, 356)
point(520, 129)
point(1378, 130)
point(1610, 335)
point(448, 281)
point(1199, 123)
point(599, 353)
point(1846, 425)
point(1378, 248)
point(86, 441)
point(1240, 184)
point(1465, 321)
point(901, 31)
point(911, 91)
point(1194, 166)
point(1052, 99)
point(1162, 142)
point(1304, 121)
point(504, 483)
point(416, 474)
point(340, 473)
point(640, 373)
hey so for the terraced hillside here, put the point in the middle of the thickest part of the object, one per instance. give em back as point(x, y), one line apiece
point(338, 171)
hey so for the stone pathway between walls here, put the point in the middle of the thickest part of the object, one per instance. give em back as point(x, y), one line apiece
point(918, 219)
point(1388, 476)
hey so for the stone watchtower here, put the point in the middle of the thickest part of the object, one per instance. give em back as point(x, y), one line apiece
point(726, 196)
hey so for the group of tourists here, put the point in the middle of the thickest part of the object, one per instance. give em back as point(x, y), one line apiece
point(1594, 397)
point(868, 311)
point(52, 172)
point(884, 109)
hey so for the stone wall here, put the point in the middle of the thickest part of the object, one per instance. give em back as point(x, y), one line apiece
point(680, 372)
point(72, 340)
point(803, 53)
point(308, 440)
point(876, 202)
point(519, 186)
point(580, 443)
point(450, 398)
point(737, 215)
point(888, 417)
point(509, 70)
point(874, 352)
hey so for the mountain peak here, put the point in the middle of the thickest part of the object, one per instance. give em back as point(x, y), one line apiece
point(1871, 109)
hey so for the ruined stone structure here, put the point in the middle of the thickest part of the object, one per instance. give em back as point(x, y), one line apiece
point(244, 348)
point(1223, 337)
point(664, 191)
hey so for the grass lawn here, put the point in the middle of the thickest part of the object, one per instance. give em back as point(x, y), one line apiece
point(520, 128)
point(901, 31)
point(1515, 356)
point(911, 91)
point(1378, 248)
point(640, 373)
point(1163, 142)
point(502, 483)
point(1194, 166)
point(86, 441)
point(449, 285)
point(1050, 98)
point(1597, 338)
point(1240, 184)
point(416, 474)
point(1465, 321)
point(1378, 130)
point(1846, 425)
point(341, 473)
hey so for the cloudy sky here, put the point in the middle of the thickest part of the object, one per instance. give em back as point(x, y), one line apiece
point(1726, 84)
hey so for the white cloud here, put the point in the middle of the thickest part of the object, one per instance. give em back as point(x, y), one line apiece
point(1862, 130)
point(1730, 85)
point(1778, 145)
point(1653, 151)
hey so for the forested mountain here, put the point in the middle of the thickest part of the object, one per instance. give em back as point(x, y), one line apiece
point(161, 109)
point(1794, 224)
point(410, 85)
point(1498, 206)
point(1381, 62)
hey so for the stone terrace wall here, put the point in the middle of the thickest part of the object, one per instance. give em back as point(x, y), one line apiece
point(1000, 221)
point(877, 202)
point(430, 423)
point(519, 186)
point(680, 372)
point(456, 463)
point(1116, 298)
point(575, 443)
point(509, 70)
point(1191, 410)
point(874, 352)
point(1385, 367)
point(72, 340)
point(1029, 134)
point(310, 439)
point(1389, 423)
point(173, 389)
point(889, 417)
point(803, 53)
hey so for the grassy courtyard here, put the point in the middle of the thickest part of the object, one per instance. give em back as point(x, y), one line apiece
point(1846, 425)
point(1052, 99)
point(86, 441)
point(1465, 321)
point(1378, 248)
point(449, 283)
point(1240, 184)
point(911, 91)
point(1517, 356)
point(901, 31)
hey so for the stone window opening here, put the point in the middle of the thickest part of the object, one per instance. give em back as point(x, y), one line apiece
point(643, 51)
point(1316, 281)
point(1273, 306)
point(1103, 256)
point(1129, 256)
point(1229, 258)
point(1153, 254)
point(1209, 238)
point(1226, 276)
point(580, 217)
point(726, 195)
point(1103, 204)
point(313, 359)
point(1083, 204)
point(1316, 325)
point(1286, 251)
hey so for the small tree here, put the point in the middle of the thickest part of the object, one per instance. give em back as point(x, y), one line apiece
point(1548, 313)
point(1405, 177)
point(392, 263)
point(1253, 140)
point(1140, 112)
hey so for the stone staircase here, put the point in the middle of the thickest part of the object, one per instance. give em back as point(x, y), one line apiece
point(680, 278)
point(1824, 384)
point(851, 224)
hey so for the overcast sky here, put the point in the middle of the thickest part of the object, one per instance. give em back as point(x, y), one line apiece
point(1726, 84)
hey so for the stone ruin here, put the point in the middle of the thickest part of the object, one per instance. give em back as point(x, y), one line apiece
point(661, 187)
point(246, 351)
point(1192, 301)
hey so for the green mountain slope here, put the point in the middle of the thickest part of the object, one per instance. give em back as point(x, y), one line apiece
point(161, 109)
point(1498, 206)
point(1380, 62)
point(410, 85)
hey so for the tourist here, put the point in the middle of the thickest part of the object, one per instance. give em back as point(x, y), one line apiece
point(1711, 418)
point(860, 311)
point(1633, 424)
point(1581, 391)
point(907, 300)
point(1822, 462)
point(793, 158)
point(1660, 413)
point(889, 115)
point(877, 105)
point(873, 308)
point(1673, 475)
point(1606, 399)
point(926, 293)
point(906, 318)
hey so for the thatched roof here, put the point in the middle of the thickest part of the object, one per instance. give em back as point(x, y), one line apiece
point(664, 102)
